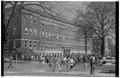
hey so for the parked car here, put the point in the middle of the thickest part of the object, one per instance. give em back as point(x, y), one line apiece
point(108, 60)
point(109, 67)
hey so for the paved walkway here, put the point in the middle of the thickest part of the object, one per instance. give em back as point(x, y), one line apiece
point(36, 68)
point(85, 73)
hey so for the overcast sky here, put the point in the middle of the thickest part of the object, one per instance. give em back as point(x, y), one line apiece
point(68, 8)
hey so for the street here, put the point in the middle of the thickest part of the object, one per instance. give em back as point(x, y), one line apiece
point(37, 69)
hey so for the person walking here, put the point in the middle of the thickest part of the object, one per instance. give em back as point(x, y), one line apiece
point(92, 65)
point(54, 63)
point(58, 66)
point(11, 62)
point(72, 63)
point(68, 64)
point(64, 64)
point(85, 63)
point(50, 62)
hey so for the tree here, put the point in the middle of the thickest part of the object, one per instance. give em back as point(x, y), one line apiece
point(15, 7)
point(85, 30)
point(101, 16)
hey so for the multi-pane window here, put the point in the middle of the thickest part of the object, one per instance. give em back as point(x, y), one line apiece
point(49, 23)
point(26, 31)
point(26, 17)
point(34, 19)
point(25, 43)
point(40, 21)
point(49, 35)
point(40, 33)
point(57, 36)
point(60, 37)
point(14, 31)
point(35, 31)
point(43, 33)
point(43, 22)
point(52, 25)
point(54, 35)
point(46, 24)
point(63, 37)
point(40, 45)
point(31, 19)
point(46, 35)
point(31, 31)
point(35, 45)
point(57, 25)
point(30, 44)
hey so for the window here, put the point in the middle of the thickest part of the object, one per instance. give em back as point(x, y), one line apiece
point(57, 36)
point(46, 34)
point(46, 23)
point(60, 28)
point(43, 22)
point(49, 23)
point(26, 17)
point(40, 21)
point(35, 19)
point(40, 34)
point(67, 37)
point(26, 31)
point(43, 33)
point(50, 54)
point(35, 31)
point(14, 31)
point(63, 37)
point(30, 31)
point(60, 37)
point(30, 44)
point(31, 19)
point(25, 43)
point(35, 45)
point(52, 25)
point(49, 35)
point(54, 35)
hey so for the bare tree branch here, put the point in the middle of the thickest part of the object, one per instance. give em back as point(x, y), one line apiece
point(11, 17)
point(97, 32)
point(106, 31)
point(45, 9)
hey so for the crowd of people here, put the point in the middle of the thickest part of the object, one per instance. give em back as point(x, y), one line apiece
point(65, 63)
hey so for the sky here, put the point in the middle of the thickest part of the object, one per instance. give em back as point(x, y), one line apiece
point(67, 8)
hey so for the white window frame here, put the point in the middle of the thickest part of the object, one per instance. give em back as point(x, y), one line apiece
point(26, 30)
point(31, 31)
point(35, 31)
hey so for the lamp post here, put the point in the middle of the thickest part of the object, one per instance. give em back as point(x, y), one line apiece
point(16, 61)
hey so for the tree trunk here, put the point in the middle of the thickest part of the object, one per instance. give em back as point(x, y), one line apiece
point(86, 44)
point(103, 47)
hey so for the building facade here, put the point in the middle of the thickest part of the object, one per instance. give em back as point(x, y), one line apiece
point(44, 35)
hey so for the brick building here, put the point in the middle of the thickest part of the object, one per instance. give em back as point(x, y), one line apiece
point(44, 34)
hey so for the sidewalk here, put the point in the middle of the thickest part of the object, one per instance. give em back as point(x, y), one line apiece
point(85, 73)
point(35, 67)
